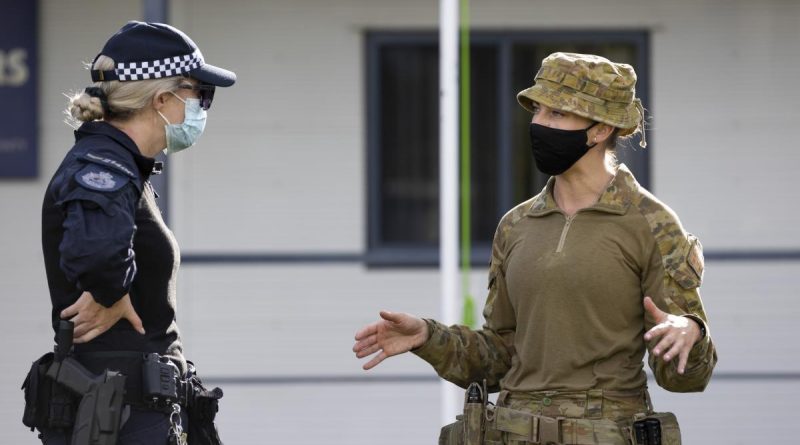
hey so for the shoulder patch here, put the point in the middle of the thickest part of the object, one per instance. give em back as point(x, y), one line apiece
point(684, 263)
point(94, 177)
point(108, 162)
point(696, 260)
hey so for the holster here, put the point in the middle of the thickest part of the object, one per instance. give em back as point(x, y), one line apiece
point(60, 393)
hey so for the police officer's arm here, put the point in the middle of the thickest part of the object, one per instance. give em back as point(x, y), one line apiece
point(96, 251)
point(462, 355)
point(97, 246)
point(672, 279)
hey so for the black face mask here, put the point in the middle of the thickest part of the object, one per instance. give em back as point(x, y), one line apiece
point(554, 150)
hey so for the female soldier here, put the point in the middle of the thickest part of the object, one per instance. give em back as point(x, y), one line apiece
point(111, 261)
point(584, 276)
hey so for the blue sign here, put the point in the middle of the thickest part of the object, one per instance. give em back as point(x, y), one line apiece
point(18, 89)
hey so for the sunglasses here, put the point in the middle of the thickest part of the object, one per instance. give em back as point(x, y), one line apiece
point(205, 91)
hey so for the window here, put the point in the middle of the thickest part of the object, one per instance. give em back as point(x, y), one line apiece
point(403, 133)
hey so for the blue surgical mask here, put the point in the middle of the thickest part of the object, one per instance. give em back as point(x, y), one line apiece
point(184, 135)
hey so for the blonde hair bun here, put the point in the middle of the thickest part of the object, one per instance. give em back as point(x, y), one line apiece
point(85, 108)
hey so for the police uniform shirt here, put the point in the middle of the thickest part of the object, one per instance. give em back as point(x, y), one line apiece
point(102, 232)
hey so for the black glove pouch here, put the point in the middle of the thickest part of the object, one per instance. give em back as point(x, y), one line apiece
point(47, 404)
point(202, 412)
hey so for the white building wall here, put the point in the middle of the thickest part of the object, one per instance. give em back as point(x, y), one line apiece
point(282, 169)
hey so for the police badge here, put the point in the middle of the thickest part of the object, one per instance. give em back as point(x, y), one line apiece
point(100, 180)
point(97, 178)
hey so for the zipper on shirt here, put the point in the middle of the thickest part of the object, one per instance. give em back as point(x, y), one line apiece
point(564, 231)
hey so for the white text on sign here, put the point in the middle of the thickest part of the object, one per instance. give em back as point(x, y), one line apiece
point(13, 67)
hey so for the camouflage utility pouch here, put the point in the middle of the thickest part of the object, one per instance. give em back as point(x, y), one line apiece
point(453, 433)
point(469, 427)
point(655, 429)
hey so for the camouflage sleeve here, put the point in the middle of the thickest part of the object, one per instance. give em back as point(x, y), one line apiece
point(462, 355)
point(673, 279)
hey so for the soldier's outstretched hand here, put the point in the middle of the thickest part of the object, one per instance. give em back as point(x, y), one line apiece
point(395, 333)
point(678, 334)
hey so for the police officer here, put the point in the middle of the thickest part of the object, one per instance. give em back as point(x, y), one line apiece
point(584, 277)
point(111, 261)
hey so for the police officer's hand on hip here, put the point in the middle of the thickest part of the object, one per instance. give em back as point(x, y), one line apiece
point(92, 318)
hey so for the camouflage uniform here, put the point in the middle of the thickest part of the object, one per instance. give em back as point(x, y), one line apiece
point(565, 323)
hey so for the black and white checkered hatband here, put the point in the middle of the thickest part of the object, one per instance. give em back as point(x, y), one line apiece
point(152, 69)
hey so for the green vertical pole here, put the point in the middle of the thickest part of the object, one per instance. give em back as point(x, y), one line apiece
point(468, 318)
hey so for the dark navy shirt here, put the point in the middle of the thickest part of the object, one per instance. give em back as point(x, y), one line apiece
point(102, 232)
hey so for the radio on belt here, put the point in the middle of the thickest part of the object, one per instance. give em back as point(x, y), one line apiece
point(158, 377)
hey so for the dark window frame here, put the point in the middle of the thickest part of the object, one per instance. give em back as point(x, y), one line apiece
point(378, 254)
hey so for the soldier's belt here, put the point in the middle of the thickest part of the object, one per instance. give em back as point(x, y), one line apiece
point(540, 429)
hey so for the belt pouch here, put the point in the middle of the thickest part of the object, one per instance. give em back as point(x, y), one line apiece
point(656, 429)
point(37, 393)
point(473, 415)
point(47, 403)
point(202, 410)
point(453, 433)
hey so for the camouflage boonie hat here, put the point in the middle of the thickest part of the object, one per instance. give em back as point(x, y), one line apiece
point(589, 86)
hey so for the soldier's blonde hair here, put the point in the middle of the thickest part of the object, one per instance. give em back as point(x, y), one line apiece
point(620, 136)
point(616, 140)
point(124, 99)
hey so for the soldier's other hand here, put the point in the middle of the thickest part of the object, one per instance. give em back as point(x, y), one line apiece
point(92, 318)
point(678, 334)
point(395, 333)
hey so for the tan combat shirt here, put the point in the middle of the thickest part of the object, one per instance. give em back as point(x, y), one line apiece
point(564, 310)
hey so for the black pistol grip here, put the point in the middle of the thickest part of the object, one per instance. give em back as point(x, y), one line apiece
point(66, 330)
point(75, 376)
